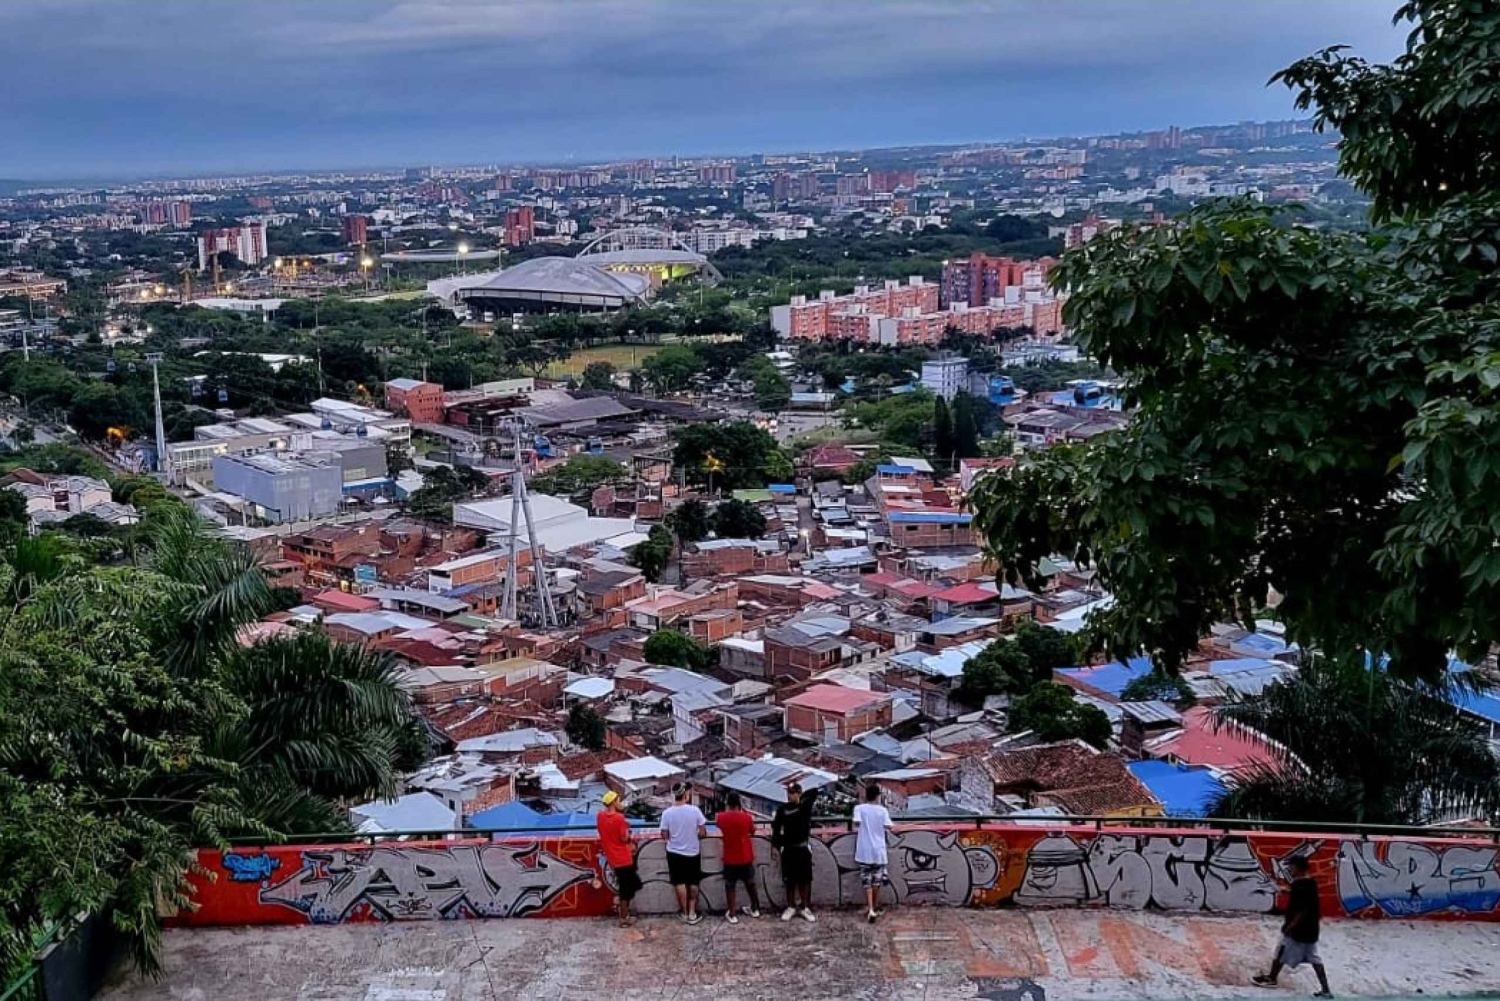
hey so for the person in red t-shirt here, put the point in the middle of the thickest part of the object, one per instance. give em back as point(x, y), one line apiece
point(737, 828)
point(614, 840)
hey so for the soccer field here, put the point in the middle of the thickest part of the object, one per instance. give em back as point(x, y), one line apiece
point(622, 356)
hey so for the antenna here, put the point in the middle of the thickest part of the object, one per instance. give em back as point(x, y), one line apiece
point(163, 458)
point(520, 506)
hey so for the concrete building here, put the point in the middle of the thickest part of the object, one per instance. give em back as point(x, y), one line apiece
point(420, 401)
point(946, 377)
point(282, 488)
point(247, 242)
point(827, 713)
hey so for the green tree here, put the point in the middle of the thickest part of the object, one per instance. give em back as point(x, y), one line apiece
point(579, 474)
point(652, 556)
point(692, 521)
point(599, 375)
point(1316, 412)
point(1045, 648)
point(585, 727)
point(1001, 668)
point(1159, 685)
point(1351, 745)
point(736, 454)
point(671, 648)
point(943, 442)
point(1051, 712)
point(967, 424)
point(737, 519)
point(670, 368)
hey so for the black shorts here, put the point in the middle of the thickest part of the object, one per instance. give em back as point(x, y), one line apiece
point(684, 870)
point(796, 865)
point(739, 874)
point(627, 882)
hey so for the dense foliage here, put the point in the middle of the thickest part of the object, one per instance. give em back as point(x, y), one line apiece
point(1347, 744)
point(1318, 413)
point(134, 727)
point(674, 649)
point(1051, 712)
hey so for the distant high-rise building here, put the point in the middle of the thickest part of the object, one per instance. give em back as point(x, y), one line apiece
point(886, 181)
point(852, 184)
point(179, 214)
point(978, 279)
point(503, 182)
point(247, 242)
point(794, 187)
point(520, 225)
point(716, 173)
point(356, 230)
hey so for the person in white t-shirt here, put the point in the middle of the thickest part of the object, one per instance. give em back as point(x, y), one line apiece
point(684, 826)
point(873, 821)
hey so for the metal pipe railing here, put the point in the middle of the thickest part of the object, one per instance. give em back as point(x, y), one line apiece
point(1218, 825)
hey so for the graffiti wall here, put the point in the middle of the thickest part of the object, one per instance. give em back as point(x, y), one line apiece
point(991, 866)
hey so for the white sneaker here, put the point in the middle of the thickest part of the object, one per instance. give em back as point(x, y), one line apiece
point(872, 915)
point(788, 914)
point(751, 911)
point(731, 918)
point(808, 915)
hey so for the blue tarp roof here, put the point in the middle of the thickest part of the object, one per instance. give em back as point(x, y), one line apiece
point(518, 818)
point(930, 517)
point(1111, 677)
point(1235, 666)
point(1184, 791)
point(1484, 703)
point(781, 488)
point(890, 470)
point(1260, 643)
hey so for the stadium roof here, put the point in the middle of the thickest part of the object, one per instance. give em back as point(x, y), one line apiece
point(646, 256)
point(561, 278)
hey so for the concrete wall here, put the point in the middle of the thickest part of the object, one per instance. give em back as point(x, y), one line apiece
point(995, 865)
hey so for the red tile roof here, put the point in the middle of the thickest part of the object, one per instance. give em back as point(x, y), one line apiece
point(836, 699)
point(1228, 749)
point(1069, 774)
point(969, 593)
point(343, 601)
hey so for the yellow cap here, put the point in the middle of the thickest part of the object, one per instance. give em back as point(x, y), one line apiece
point(610, 798)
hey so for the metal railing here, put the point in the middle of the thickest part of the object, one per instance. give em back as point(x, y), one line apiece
point(1214, 825)
point(29, 985)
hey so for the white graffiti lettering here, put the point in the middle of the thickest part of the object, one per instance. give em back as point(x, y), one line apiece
point(399, 884)
point(1408, 880)
point(1172, 873)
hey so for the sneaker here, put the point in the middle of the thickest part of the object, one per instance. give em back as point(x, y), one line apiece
point(691, 919)
point(808, 915)
point(872, 915)
point(1261, 980)
point(788, 914)
point(731, 918)
point(751, 911)
point(1323, 994)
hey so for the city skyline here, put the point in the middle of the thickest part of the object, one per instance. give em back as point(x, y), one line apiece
point(347, 85)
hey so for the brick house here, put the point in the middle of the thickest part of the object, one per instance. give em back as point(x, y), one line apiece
point(916, 529)
point(800, 648)
point(899, 786)
point(1079, 779)
point(833, 712)
point(750, 728)
point(422, 402)
point(716, 624)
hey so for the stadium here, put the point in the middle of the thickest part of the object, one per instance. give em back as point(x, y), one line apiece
point(612, 271)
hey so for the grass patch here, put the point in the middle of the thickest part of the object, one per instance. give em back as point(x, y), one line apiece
point(623, 357)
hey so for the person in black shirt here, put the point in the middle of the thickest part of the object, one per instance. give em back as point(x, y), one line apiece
point(790, 829)
point(1299, 930)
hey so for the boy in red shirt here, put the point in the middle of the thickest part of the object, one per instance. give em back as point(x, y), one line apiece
point(737, 827)
point(614, 839)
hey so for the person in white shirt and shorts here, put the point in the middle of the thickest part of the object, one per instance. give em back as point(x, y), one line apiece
point(872, 821)
point(685, 826)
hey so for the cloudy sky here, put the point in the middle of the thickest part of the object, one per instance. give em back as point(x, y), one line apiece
point(112, 87)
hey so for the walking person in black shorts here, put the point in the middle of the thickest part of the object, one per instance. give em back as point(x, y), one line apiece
point(791, 828)
point(1299, 930)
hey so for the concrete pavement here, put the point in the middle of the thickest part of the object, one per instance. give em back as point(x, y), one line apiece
point(929, 953)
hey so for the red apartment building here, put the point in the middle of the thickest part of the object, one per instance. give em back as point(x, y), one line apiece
point(420, 401)
point(356, 230)
point(520, 225)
